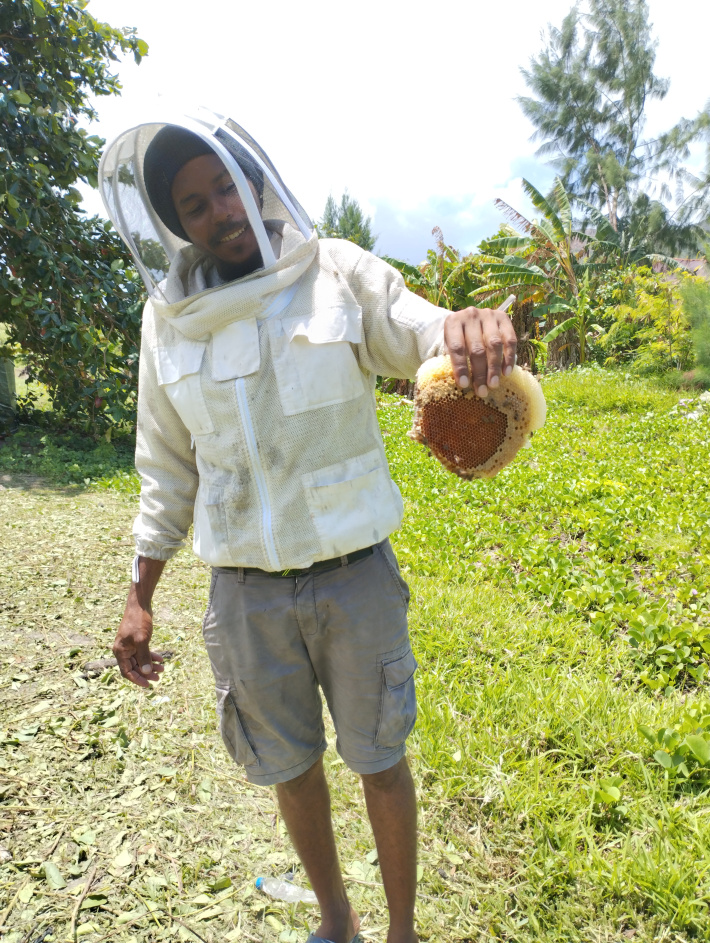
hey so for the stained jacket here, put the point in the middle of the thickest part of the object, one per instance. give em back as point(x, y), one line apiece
point(256, 412)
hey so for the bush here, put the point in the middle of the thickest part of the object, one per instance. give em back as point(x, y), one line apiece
point(696, 303)
point(647, 322)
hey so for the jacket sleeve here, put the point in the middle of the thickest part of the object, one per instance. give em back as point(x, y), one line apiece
point(400, 329)
point(165, 462)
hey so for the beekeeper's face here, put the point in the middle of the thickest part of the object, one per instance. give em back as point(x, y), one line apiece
point(213, 216)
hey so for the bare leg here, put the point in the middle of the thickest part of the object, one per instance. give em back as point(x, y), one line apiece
point(305, 807)
point(392, 808)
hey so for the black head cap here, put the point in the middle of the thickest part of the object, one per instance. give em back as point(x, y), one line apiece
point(166, 155)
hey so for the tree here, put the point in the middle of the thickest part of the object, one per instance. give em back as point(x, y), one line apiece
point(67, 297)
point(346, 221)
point(555, 265)
point(590, 86)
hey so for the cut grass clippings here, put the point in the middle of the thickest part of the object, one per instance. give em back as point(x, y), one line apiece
point(545, 815)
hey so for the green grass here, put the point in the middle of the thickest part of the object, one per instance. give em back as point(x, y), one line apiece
point(555, 611)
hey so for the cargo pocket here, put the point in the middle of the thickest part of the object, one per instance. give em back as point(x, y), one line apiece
point(178, 370)
point(398, 704)
point(230, 725)
point(353, 504)
point(313, 358)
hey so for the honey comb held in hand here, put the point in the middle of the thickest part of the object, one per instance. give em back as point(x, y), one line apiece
point(470, 436)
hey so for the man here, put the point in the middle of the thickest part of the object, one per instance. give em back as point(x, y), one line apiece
point(256, 418)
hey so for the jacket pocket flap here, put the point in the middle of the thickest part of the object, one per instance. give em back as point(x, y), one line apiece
point(172, 363)
point(398, 672)
point(345, 471)
point(327, 326)
point(235, 350)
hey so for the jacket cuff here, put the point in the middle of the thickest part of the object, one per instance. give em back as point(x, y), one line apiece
point(154, 551)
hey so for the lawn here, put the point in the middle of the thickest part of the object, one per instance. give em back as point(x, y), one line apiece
point(562, 753)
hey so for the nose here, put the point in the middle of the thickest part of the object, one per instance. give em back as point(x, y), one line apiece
point(224, 206)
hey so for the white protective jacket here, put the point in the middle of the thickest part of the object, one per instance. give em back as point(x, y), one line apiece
point(267, 426)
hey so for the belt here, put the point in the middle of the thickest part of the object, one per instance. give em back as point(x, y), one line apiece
point(345, 560)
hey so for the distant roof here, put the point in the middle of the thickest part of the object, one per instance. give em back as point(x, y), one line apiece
point(695, 266)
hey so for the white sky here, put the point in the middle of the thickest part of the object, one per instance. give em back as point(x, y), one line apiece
point(407, 104)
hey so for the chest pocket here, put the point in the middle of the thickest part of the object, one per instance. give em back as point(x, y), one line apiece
point(314, 361)
point(178, 370)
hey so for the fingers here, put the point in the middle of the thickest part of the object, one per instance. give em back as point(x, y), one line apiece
point(481, 343)
point(136, 662)
point(456, 347)
point(510, 342)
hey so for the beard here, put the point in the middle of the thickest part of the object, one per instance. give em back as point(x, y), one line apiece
point(230, 271)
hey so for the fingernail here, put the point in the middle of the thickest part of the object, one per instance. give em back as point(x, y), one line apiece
point(507, 371)
point(463, 382)
point(494, 382)
point(482, 390)
point(146, 669)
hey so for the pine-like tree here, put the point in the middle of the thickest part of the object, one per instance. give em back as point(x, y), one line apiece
point(346, 221)
point(590, 86)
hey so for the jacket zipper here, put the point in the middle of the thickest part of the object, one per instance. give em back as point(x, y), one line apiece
point(250, 439)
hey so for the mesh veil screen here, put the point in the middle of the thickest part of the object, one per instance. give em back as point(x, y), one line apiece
point(253, 201)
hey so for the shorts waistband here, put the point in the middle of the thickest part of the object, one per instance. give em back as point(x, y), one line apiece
point(331, 564)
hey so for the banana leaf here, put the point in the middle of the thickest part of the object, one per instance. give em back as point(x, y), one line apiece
point(559, 329)
point(504, 243)
point(546, 208)
point(555, 307)
point(405, 268)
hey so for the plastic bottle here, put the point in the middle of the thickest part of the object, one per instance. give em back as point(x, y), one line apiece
point(285, 890)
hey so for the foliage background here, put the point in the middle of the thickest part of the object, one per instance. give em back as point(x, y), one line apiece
point(70, 303)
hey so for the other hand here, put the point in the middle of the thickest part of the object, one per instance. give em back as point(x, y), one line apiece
point(131, 647)
point(485, 339)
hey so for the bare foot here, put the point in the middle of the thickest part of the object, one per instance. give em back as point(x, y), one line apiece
point(340, 931)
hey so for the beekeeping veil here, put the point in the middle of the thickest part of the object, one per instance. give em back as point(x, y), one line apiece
point(136, 177)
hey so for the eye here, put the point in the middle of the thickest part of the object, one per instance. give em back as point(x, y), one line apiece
point(194, 210)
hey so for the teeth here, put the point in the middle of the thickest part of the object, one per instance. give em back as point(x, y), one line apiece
point(233, 235)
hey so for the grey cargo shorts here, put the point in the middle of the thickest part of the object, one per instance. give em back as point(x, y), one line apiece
point(274, 641)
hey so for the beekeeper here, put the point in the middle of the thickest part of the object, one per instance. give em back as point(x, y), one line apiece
point(256, 423)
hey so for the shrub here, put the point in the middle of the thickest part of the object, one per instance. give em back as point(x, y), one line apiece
point(646, 321)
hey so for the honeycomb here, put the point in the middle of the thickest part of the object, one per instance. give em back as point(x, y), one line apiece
point(470, 436)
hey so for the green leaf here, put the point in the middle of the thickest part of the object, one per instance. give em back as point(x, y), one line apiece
point(700, 748)
point(39, 8)
point(53, 875)
point(221, 884)
point(663, 758)
point(93, 900)
point(22, 98)
point(610, 794)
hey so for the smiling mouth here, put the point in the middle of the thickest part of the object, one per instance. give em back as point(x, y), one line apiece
point(235, 234)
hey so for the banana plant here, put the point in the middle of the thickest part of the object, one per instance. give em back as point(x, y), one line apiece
point(543, 264)
point(580, 321)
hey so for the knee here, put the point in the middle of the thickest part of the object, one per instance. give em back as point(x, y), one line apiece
point(387, 779)
point(303, 780)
